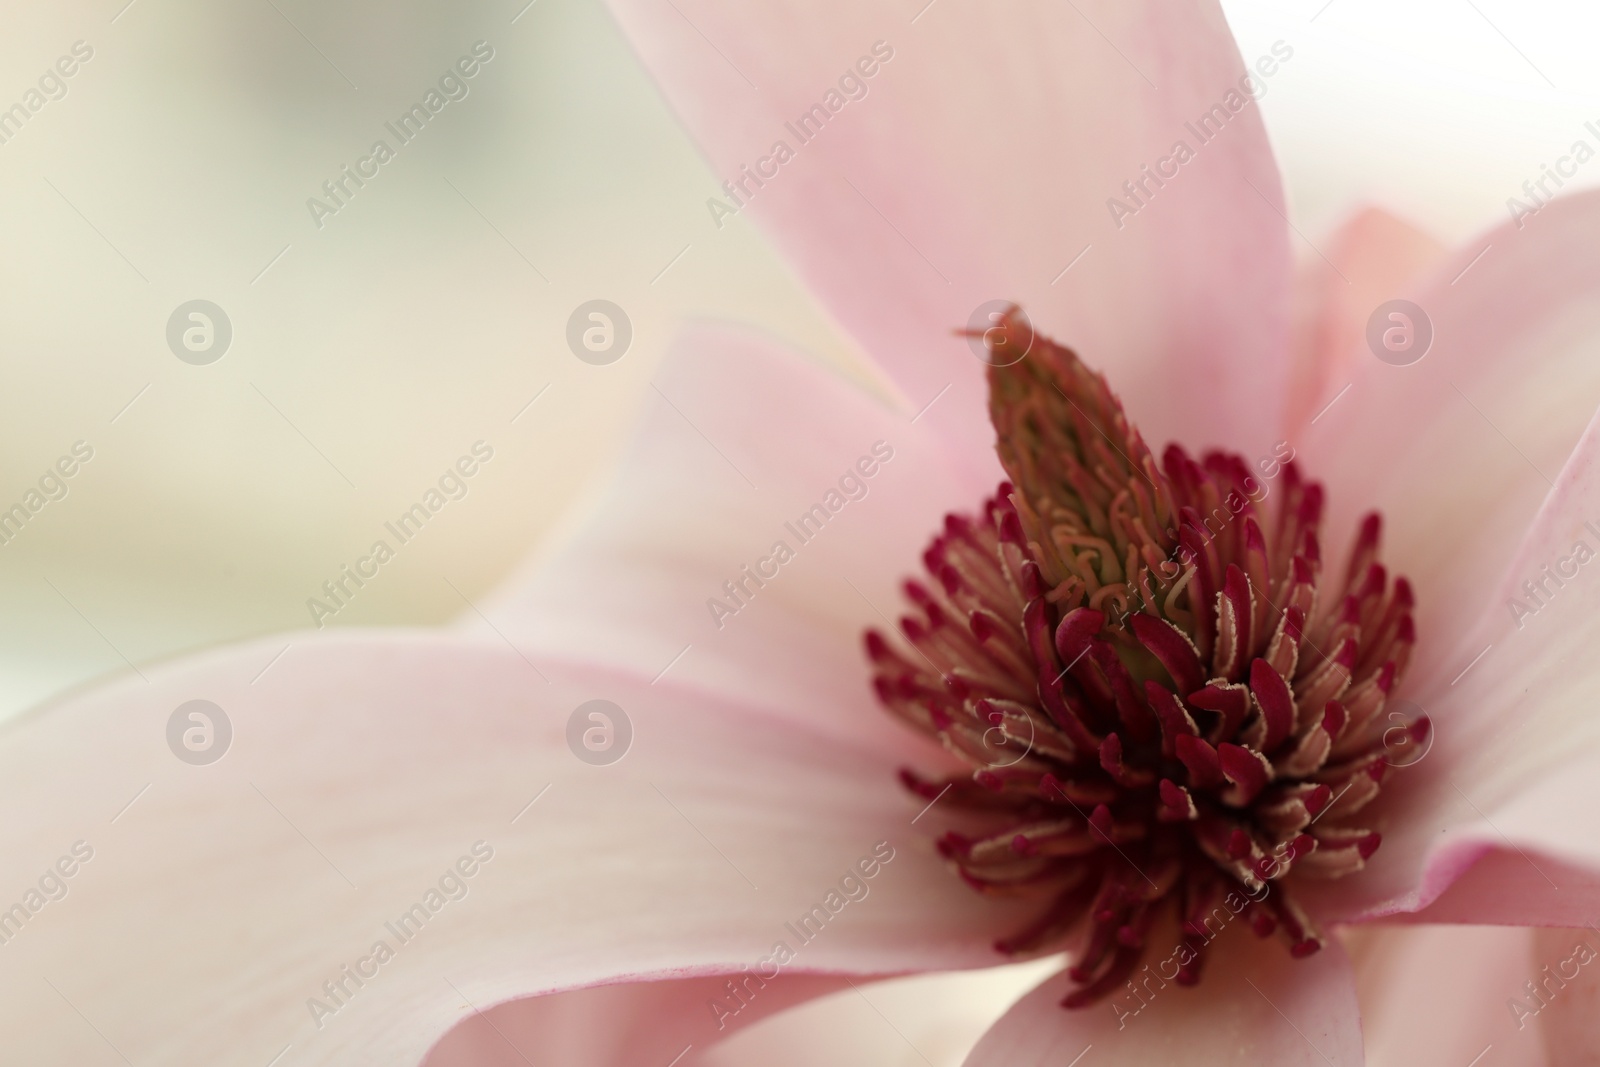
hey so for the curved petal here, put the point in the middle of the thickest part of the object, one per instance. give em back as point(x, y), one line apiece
point(982, 157)
point(420, 793)
point(750, 462)
point(622, 1024)
point(1505, 887)
point(1439, 994)
point(1254, 1004)
point(925, 1020)
point(1369, 259)
point(1531, 860)
point(1458, 450)
point(1516, 760)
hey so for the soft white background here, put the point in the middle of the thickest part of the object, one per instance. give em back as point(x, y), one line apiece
point(407, 327)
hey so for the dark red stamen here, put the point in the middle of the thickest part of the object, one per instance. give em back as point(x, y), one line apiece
point(1172, 710)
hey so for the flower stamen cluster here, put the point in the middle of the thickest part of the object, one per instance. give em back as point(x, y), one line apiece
point(1165, 696)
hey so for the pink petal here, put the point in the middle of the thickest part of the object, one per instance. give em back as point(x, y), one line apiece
point(622, 1024)
point(1446, 994)
point(633, 585)
point(980, 165)
point(1546, 822)
point(1514, 849)
point(219, 898)
point(1567, 980)
point(1456, 449)
point(900, 1021)
point(1438, 994)
point(1516, 760)
point(1370, 258)
point(1510, 888)
point(1254, 1004)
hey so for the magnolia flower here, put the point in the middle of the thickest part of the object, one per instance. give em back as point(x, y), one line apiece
point(395, 846)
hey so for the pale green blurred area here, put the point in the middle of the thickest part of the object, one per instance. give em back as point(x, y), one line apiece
point(390, 340)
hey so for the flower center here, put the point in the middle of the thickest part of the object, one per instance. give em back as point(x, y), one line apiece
point(1169, 707)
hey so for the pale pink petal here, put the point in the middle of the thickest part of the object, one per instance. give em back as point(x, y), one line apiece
point(981, 164)
point(1566, 995)
point(743, 441)
point(1518, 850)
point(1369, 259)
point(924, 1020)
point(622, 1024)
point(1438, 994)
point(1458, 450)
point(1508, 887)
point(219, 899)
point(1515, 764)
point(1254, 1004)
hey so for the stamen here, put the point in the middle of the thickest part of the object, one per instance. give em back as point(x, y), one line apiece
point(1165, 702)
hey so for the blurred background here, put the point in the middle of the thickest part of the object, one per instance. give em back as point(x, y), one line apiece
point(374, 346)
